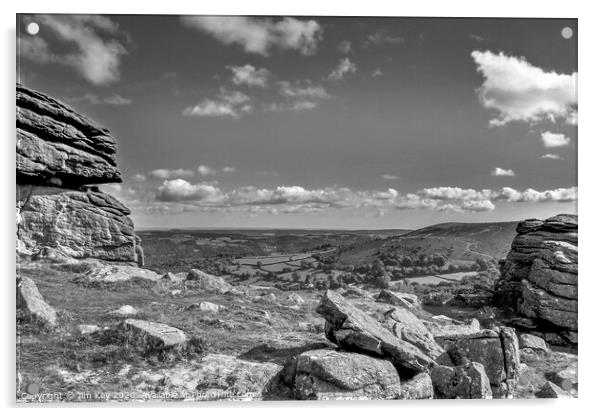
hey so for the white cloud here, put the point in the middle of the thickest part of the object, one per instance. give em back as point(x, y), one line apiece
point(182, 190)
point(298, 96)
point(139, 177)
point(519, 91)
point(377, 73)
point(381, 37)
point(477, 206)
point(205, 170)
point(531, 195)
point(389, 177)
point(114, 99)
point(344, 67)
point(258, 35)
point(229, 169)
point(86, 43)
point(551, 156)
point(502, 172)
point(249, 75)
point(170, 173)
point(226, 104)
point(344, 46)
point(550, 139)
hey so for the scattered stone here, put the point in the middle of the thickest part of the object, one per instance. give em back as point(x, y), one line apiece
point(295, 298)
point(332, 375)
point(533, 342)
point(176, 292)
point(467, 381)
point(125, 310)
point(206, 307)
point(419, 387)
point(31, 306)
point(566, 378)
point(208, 282)
point(353, 329)
point(110, 274)
point(442, 326)
point(87, 329)
point(552, 391)
point(152, 336)
point(169, 277)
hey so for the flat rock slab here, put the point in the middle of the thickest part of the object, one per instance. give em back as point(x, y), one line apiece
point(118, 273)
point(407, 327)
point(153, 336)
point(332, 375)
point(31, 305)
point(208, 282)
point(354, 330)
point(223, 377)
point(533, 342)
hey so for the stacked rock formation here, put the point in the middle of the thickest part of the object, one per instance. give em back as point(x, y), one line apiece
point(61, 155)
point(539, 277)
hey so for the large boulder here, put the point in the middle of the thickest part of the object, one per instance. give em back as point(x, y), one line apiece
point(539, 277)
point(332, 375)
point(406, 326)
point(467, 381)
point(61, 154)
point(354, 330)
point(117, 273)
point(58, 146)
point(76, 224)
point(418, 388)
point(31, 306)
point(497, 350)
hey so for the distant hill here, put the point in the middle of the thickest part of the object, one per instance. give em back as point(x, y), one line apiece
point(457, 241)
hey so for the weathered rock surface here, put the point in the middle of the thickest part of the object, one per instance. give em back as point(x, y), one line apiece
point(467, 381)
point(354, 330)
point(552, 391)
point(418, 388)
point(441, 326)
point(407, 327)
point(532, 342)
point(60, 153)
point(152, 336)
point(222, 377)
point(116, 273)
point(333, 375)
point(31, 306)
point(539, 276)
point(497, 350)
point(56, 145)
point(404, 300)
point(208, 282)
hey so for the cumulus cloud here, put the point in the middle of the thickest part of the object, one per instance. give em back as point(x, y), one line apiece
point(93, 99)
point(229, 169)
point(299, 96)
point(139, 177)
point(170, 173)
point(344, 67)
point(519, 91)
point(389, 177)
point(249, 75)
point(551, 156)
point(182, 190)
point(344, 47)
point(531, 195)
point(205, 170)
point(502, 172)
point(550, 139)
point(227, 103)
point(87, 43)
point(258, 35)
point(377, 73)
point(381, 37)
point(299, 199)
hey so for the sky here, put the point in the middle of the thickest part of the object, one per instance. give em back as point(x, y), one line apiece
point(321, 122)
